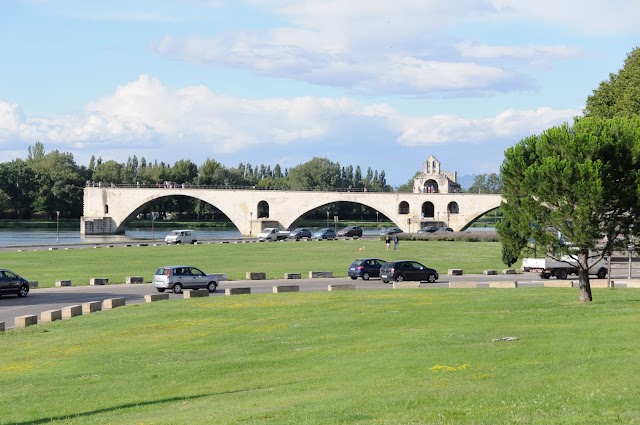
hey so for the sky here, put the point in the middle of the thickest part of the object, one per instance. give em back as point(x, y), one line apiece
point(375, 83)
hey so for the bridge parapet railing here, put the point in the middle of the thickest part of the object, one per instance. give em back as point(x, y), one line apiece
point(171, 185)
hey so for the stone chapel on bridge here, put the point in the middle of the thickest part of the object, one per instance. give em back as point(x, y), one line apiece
point(434, 180)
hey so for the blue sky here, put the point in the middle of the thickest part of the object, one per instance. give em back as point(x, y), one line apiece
point(373, 83)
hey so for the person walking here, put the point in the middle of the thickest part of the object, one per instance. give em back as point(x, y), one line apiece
point(396, 242)
point(387, 240)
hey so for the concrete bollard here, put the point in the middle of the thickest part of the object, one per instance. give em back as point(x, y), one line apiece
point(284, 288)
point(318, 275)
point(633, 283)
point(490, 272)
point(155, 297)
point(71, 311)
point(91, 307)
point(34, 284)
point(2, 327)
point(195, 293)
point(293, 276)
point(256, 275)
point(60, 283)
point(50, 316)
point(463, 285)
point(134, 279)
point(558, 284)
point(98, 281)
point(344, 287)
point(110, 303)
point(406, 285)
point(598, 283)
point(499, 284)
point(237, 291)
point(508, 271)
point(24, 321)
point(455, 272)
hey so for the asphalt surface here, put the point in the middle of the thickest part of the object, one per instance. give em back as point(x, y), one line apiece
point(40, 300)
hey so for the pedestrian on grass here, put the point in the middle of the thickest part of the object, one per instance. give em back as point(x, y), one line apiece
point(396, 242)
point(387, 240)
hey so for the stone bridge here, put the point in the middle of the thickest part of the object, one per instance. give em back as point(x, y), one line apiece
point(108, 210)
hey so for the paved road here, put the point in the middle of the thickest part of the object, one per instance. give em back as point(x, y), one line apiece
point(40, 300)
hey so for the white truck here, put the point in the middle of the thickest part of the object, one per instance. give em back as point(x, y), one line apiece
point(272, 234)
point(562, 268)
point(181, 236)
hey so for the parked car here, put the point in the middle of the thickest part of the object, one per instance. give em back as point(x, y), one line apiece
point(181, 236)
point(11, 283)
point(326, 233)
point(391, 231)
point(407, 270)
point(177, 278)
point(300, 233)
point(272, 234)
point(444, 229)
point(351, 231)
point(365, 268)
point(428, 229)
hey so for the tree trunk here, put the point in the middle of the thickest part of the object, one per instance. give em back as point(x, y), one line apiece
point(583, 277)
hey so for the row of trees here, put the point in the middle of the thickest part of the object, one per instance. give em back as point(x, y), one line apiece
point(48, 182)
point(578, 183)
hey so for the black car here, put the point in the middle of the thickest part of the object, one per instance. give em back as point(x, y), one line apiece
point(351, 231)
point(444, 229)
point(407, 270)
point(300, 233)
point(365, 268)
point(391, 231)
point(326, 233)
point(428, 229)
point(11, 283)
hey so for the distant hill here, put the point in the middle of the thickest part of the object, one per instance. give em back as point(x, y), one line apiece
point(466, 181)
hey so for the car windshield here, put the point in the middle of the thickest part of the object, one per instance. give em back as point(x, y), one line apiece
point(162, 271)
point(358, 262)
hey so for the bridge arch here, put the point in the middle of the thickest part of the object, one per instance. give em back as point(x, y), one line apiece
point(133, 213)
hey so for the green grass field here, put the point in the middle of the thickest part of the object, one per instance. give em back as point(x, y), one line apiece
point(275, 259)
point(357, 357)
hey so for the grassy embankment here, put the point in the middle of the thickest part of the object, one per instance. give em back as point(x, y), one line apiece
point(275, 259)
point(361, 357)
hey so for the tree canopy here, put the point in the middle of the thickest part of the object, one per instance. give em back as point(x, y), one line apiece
point(581, 182)
point(620, 95)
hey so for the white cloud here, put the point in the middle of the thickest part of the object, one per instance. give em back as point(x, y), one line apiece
point(145, 114)
point(508, 125)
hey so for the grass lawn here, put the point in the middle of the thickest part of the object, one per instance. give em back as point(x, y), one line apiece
point(366, 357)
point(275, 259)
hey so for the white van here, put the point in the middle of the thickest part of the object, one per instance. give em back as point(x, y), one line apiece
point(181, 236)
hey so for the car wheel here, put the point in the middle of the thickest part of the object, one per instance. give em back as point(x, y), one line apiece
point(602, 273)
point(177, 288)
point(365, 276)
point(212, 286)
point(194, 242)
point(400, 278)
point(160, 289)
point(545, 275)
point(562, 274)
point(353, 277)
point(298, 237)
point(23, 291)
point(431, 278)
point(385, 281)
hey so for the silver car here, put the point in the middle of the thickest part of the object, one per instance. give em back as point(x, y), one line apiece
point(177, 278)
